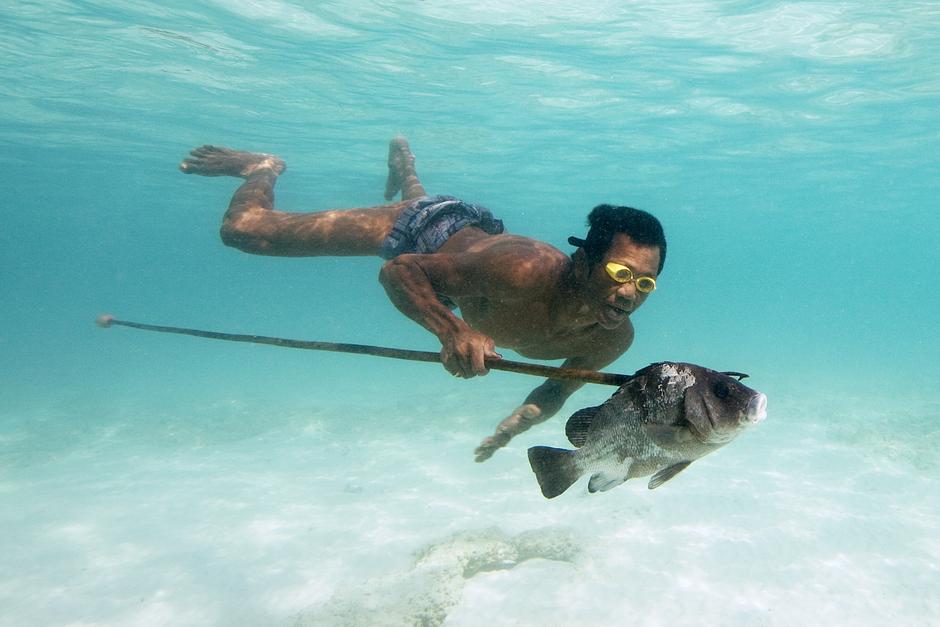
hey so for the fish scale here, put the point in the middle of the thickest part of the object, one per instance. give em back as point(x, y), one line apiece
point(665, 417)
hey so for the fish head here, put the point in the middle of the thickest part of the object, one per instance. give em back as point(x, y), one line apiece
point(717, 407)
point(694, 403)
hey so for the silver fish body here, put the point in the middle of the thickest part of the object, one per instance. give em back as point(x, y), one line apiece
point(665, 417)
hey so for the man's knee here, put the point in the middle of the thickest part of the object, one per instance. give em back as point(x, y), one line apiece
point(238, 234)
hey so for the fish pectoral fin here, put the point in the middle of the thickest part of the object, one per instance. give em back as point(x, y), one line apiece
point(668, 436)
point(666, 474)
point(579, 424)
point(601, 482)
point(610, 477)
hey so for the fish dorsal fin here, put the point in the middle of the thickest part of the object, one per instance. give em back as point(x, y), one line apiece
point(666, 474)
point(579, 424)
point(668, 436)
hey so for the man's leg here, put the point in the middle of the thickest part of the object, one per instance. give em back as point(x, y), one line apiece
point(401, 171)
point(253, 225)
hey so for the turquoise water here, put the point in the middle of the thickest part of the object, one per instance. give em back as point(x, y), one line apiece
point(790, 149)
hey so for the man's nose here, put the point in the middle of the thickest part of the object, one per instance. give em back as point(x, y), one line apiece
point(627, 290)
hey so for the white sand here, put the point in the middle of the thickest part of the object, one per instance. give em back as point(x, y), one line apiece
point(310, 516)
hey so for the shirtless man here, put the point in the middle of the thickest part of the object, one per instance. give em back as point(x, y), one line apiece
point(444, 253)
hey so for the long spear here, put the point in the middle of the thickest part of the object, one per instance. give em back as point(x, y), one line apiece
point(552, 372)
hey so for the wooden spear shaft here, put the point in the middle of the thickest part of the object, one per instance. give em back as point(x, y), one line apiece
point(551, 372)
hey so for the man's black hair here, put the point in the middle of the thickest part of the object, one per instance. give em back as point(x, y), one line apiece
point(607, 220)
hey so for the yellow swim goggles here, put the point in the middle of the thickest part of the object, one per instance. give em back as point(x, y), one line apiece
point(622, 274)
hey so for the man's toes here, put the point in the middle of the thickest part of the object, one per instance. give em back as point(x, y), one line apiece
point(399, 155)
point(398, 144)
point(202, 151)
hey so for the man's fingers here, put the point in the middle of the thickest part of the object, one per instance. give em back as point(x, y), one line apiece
point(455, 364)
point(480, 355)
point(473, 362)
point(483, 453)
point(520, 420)
point(489, 446)
point(466, 356)
point(465, 365)
point(478, 363)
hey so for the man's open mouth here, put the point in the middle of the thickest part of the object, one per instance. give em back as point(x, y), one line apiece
point(614, 314)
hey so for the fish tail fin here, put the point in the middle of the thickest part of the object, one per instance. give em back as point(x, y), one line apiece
point(554, 468)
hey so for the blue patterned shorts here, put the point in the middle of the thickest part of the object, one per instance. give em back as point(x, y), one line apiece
point(429, 221)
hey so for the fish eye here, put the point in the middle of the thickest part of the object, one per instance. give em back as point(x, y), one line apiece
point(721, 390)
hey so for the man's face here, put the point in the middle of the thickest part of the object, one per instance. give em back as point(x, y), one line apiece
point(611, 301)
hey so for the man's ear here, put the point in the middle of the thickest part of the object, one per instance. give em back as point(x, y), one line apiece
point(581, 267)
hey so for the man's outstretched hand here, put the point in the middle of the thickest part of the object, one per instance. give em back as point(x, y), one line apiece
point(521, 419)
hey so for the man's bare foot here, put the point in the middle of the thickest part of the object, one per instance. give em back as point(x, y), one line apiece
point(219, 161)
point(401, 166)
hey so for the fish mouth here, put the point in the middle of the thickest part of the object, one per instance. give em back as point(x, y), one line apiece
point(756, 409)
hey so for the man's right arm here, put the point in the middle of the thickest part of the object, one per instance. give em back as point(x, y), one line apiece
point(406, 281)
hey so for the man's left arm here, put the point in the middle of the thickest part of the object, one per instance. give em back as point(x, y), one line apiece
point(547, 399)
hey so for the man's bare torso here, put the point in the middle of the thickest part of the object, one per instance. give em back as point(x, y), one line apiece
point(540, 317)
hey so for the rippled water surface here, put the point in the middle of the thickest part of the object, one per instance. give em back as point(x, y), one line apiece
point(790, 150)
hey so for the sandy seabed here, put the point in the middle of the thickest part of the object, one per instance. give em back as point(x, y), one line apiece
point(301, 515)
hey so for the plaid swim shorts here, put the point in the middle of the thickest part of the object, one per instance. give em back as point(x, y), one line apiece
point(429, 221)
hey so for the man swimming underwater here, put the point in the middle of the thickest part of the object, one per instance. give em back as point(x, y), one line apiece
point(444, 253)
